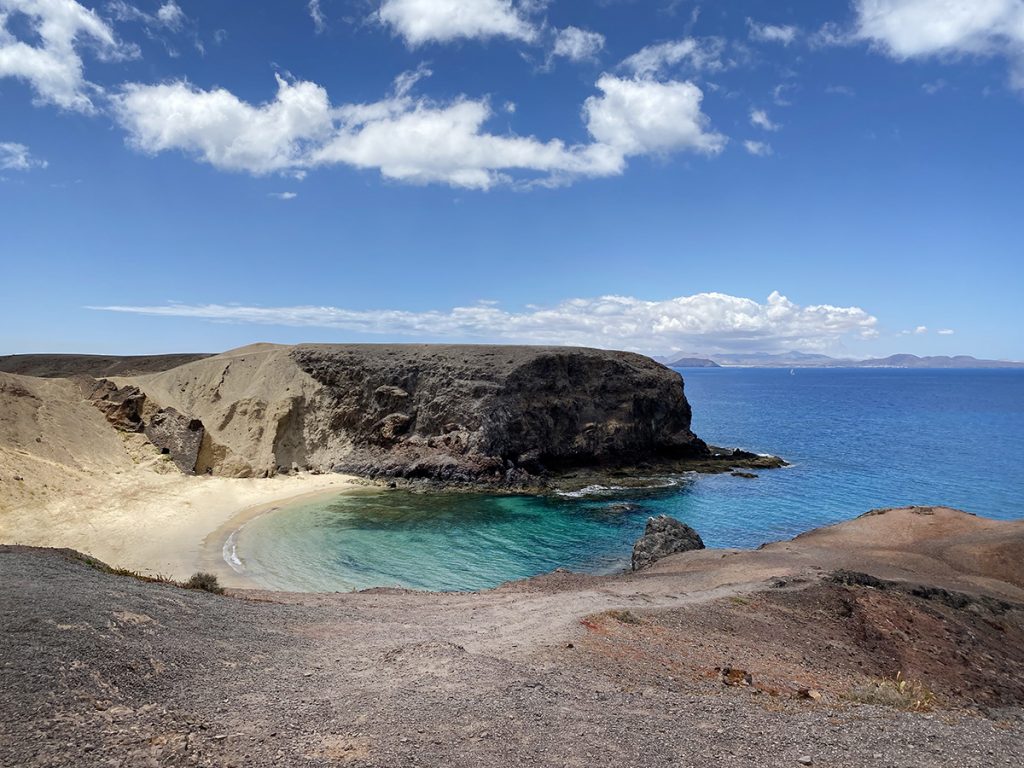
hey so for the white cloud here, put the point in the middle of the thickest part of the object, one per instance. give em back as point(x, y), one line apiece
point(425, 21)
point(49, 59)
point(219, 128)
point(577, 44)
point(283, 195)
point(760, 119)
point(700, 54)
point(757, 148)
point(171, 15)
point(637, 116)
point(772, 33)
point(906, 29)
point(706, 321)
point(17, 157)
point(946, 332)
point(317, 15)
point(921, 330)
point(411, 139)
point(420, 142)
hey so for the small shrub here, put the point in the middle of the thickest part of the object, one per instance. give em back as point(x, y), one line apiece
point(895, 692)
point(204, 581)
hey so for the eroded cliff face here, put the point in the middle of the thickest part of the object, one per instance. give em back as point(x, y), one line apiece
point(446, 412)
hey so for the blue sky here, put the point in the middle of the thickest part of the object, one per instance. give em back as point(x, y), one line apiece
point(661, 176)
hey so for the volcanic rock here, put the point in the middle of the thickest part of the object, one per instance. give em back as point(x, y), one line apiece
point(463, 413)
point(663, 536)
point(176, 435)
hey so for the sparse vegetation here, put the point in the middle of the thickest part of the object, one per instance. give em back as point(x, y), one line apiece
point(204, 581)
point(898, 692)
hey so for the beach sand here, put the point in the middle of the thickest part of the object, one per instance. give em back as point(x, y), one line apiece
point(166, 524)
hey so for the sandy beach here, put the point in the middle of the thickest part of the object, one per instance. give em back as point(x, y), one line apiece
point(165, 524)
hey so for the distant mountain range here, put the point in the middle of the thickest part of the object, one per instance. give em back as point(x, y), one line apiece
point(805, 360)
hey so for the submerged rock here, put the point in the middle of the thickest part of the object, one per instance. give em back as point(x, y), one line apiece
point(662, 537)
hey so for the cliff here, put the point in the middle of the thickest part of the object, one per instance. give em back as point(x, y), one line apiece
point(446, 412)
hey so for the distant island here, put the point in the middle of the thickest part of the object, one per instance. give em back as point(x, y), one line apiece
point(807, 360)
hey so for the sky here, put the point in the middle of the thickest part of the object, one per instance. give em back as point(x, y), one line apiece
point(656, 175)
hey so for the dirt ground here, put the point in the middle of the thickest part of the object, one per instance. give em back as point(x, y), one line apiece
point(773, 657)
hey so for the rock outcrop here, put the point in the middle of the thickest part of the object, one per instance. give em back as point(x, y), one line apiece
point(178, 436)
point(663, 536)
point(122, 406)
point(499, 414)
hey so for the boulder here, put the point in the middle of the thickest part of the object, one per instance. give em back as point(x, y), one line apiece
point(663, 536)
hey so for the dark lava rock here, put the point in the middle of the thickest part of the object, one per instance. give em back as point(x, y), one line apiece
point(662, 537)
point(68, 366)
point(176, 435)
point(498, 414)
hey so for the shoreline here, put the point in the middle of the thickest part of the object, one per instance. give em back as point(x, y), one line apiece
point(212, 556)
point(156, 524)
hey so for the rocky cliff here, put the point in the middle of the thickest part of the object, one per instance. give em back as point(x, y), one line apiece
point(446, 412)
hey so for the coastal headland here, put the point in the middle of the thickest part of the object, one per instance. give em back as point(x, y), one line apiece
point(139, 471)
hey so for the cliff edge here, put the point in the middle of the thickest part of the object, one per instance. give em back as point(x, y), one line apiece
point(445, 412)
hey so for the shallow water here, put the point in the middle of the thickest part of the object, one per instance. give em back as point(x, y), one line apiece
point(858, 439)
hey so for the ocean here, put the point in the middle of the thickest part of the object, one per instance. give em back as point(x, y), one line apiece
point(857, 439)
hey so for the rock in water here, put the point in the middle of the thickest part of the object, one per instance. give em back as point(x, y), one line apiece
point(466, 413)
point(663, 536)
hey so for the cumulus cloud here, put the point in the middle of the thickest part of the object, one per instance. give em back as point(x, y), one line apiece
point(697, 53)
point(757, 148)
point(636, 116)
point(49, 59)
point(407, 138)
point(772, 33)
point(906, 29)
point(17, 157)
point(442, 21)
point(577, 44)
point(707, 321)
point(760, 119)
point(416, 141)
point(223, 130)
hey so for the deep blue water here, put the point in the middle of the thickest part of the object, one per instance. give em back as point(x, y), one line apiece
point(857, 439)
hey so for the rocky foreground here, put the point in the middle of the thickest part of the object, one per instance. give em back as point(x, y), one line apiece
point(896, 639)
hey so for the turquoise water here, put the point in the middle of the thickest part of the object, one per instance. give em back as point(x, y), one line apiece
point(857, 438)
